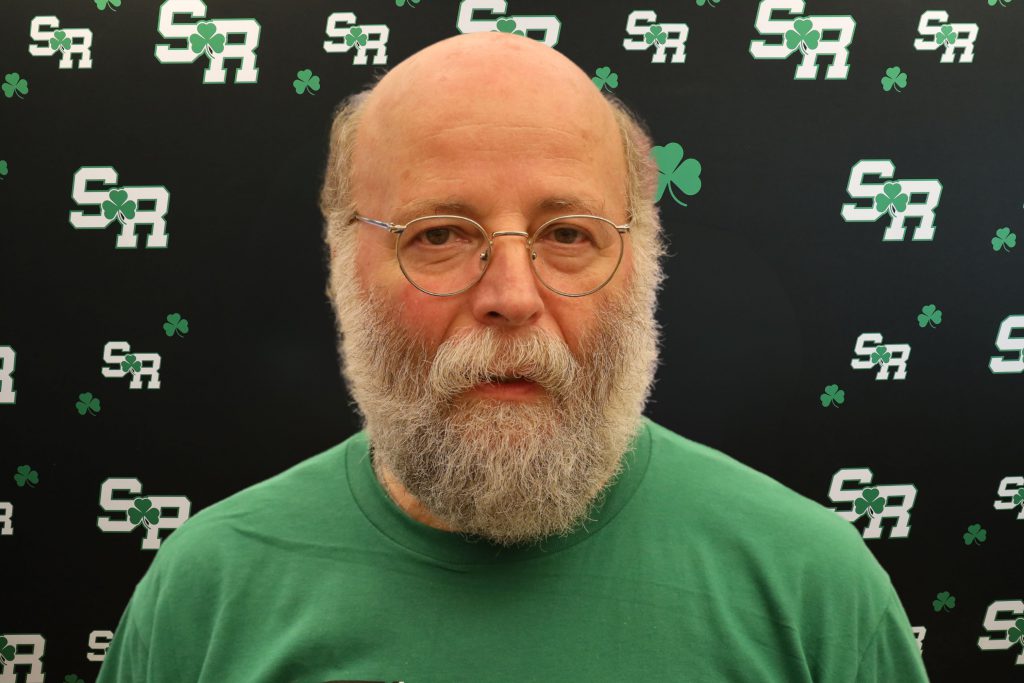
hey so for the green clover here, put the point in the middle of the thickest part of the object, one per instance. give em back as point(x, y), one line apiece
point(929, 314)
point(60, 41)
point(801, 36)
point(102, 4)
point(880, 355)
point(412, 3)
point(1003, 3)
point(143, 512)
point(355, 35)
point(306, 79)
point(685, 176)
point(655, 34)
point(833, 395)
point(869, 502)
point(1004, 239)
point(14, 84)
point(130, 364)
point(605, 76)
point(118, 205)
point(3, 167)
point(87, 403)
point(944, 601)
point(175, 323)
point(894, 77)
point(26, 475)
point(945, 34)
point(891, 198)
point(207, 38)
point(1018, 497)
point(508, 25)
point(975, 534)
point(709, 3)
point(1016, 632)
point(6, 650)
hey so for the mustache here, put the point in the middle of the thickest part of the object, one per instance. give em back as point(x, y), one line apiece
point(467, 359)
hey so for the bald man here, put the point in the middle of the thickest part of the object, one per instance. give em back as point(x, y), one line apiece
point(506, 513)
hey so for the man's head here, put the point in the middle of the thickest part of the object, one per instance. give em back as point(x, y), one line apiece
point(502, 123)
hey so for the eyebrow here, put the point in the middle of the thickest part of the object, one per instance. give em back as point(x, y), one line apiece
point(455, 205)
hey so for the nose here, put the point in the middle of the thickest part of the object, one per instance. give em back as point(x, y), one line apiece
point(509, 292)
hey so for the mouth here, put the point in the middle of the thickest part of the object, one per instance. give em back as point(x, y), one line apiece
point(508, 386)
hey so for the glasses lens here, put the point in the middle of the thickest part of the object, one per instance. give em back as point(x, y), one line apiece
point(442, 254)
point(576, 255)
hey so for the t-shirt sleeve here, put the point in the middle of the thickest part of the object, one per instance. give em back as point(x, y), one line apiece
point(892, 654)
point(127, 656)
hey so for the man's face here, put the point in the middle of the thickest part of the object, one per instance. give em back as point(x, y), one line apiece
point(510, 464)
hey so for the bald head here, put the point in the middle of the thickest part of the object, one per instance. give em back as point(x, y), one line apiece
point(499, 94)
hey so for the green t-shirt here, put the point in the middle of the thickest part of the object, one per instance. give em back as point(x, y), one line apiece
point(697, 568)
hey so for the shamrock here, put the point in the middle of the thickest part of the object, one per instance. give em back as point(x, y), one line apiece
point(175, 323)
point(3, 167)
point(1004, 3)
point(118, 205)
point(60, 41)
point(685, 176)
point(355, 35)
point(102, 4)
point(87, 403)
point(869, 502)
point(15, 84)
point(945, 34)
point(1004, 239)
point(605, 76)
point(975, 534)
point(1016, 632)
point(508, 25)
point(833, 394)
point(306, 79)
point(207, 38)
point(944, 601)
point(709, 3)
point(129, 363)
point(880, 355)
point(6, 650)
point(26, 474)
point(894, 77)
point(1018, 497)
point(802, 36)
point(412, 3)
point(143, 512)
point(891, 198)
point(655, 34)
point(928, 315)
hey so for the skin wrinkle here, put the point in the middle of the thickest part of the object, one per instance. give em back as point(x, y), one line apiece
point(509, 471)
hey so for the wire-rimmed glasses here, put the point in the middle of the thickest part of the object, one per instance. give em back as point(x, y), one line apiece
point(445, 255)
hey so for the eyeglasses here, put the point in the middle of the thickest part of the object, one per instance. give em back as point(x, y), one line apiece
point(446, 255)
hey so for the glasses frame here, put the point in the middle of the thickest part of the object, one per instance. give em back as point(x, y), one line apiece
point(397, 230)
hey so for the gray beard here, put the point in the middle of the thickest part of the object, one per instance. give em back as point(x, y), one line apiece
point(512, 472)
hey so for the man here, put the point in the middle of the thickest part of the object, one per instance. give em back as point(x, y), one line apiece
point(480, 529)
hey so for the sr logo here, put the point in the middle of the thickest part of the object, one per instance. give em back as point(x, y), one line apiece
point(893, 199)
point(68, 41)
point(120, 204)
point(806, 34)
point(211, 39)
point(469, 21)
point(149, 512)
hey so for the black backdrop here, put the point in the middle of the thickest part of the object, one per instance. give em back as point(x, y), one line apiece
point(769, 285)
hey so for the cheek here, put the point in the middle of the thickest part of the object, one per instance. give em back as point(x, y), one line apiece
point(423, 316)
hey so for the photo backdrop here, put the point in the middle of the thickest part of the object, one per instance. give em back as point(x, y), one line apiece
point(841, 189)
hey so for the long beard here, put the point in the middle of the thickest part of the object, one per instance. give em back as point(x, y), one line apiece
point(512, 472)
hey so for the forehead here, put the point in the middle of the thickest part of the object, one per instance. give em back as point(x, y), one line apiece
point(480, 152)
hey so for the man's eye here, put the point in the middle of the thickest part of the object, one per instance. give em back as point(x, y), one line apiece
point(436, 236)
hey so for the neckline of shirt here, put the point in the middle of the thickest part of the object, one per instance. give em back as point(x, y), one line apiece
point(455, 549)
